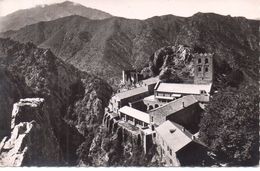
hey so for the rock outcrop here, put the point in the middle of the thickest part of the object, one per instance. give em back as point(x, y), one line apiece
point(74, 100)
point(32, 141)
point(177, 61)
point(177, 58)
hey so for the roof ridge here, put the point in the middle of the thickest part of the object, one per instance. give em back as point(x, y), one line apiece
point(175, 101)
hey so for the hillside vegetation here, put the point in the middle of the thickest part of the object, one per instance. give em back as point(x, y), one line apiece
point(106, 47)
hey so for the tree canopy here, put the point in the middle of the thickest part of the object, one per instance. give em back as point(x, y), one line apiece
point(230, 126)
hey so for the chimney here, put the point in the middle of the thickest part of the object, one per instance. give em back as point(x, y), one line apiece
point(183, 129)
point(123, 76)
point(183, 104)
point(193, 137)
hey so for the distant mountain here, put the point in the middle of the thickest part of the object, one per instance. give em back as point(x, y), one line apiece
point(106, 47)
point(25, 17)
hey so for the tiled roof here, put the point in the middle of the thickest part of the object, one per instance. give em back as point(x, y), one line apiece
point(152, 80)
point(150, 98)
point(183, 88)
point(173, 136)
point(175, 105)
point(142, 116)
point(130, 93)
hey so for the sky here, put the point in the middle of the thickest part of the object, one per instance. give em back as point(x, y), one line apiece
point(142, 9)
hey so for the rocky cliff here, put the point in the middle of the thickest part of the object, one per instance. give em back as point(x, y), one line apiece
point(74, 100)
point(175, 58)
point(119, 148)
point(32, 141)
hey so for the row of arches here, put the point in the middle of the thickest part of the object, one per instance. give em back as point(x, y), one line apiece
point(152, 106)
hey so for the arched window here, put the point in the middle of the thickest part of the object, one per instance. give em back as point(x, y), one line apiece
point(199, 60)
point(206, 61)
point(199, 69)
point(206, 69)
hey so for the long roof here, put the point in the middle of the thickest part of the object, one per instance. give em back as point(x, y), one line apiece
point(152, 80)
point(130, 93)
point(183, 88)
point(142, 116)
point(175, 105)
point(173, 136)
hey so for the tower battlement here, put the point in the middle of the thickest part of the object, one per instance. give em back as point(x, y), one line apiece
point(203, 68)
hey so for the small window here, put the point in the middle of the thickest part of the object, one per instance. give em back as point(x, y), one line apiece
point(171, 161)
point(152, 119)
point(206, 61)
point(199, 69)
point(171, 152)
point(199, 60)
point(203, 92)
point(206, 69)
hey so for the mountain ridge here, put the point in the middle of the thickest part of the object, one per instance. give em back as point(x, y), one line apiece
point(106, 47)
point(21, 18)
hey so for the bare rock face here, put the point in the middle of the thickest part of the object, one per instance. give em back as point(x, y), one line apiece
point(178, 58)
point(74, 101)
point(32, 141)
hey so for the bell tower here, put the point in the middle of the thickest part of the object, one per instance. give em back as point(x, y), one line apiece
point(203, 68)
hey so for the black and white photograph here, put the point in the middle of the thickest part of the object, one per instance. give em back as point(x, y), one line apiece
point(129, 83)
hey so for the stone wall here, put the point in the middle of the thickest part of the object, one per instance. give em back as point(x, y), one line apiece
point(188, 117)
point(165, 157)
point(203, 68)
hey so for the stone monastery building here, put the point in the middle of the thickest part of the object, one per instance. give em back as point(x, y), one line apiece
point(165, 114)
